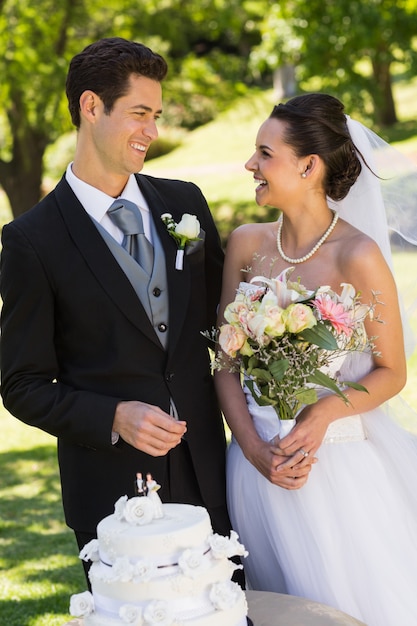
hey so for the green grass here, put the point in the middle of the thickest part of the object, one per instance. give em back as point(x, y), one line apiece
point(39, 566)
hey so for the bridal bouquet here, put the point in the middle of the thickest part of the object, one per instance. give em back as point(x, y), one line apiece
point(284, 338)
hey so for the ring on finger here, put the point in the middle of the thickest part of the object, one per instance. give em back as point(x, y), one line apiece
point(303, 452)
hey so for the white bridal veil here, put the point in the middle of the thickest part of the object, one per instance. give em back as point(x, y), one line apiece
point(384, 204)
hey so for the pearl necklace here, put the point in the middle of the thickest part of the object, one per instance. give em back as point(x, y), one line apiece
point(316, 247)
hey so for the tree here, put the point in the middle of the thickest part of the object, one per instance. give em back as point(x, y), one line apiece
point(36, 42)
point(350, 45)
point(206, 43)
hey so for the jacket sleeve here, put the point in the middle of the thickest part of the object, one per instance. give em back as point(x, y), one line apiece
point(30, 384)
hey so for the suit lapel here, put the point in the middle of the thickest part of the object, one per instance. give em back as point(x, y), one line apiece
point(178, 281)
point(100, 260)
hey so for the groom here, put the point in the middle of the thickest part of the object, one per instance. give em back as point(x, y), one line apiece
point(97, 350)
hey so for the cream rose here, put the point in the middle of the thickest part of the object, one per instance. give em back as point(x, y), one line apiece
point(298, 317)
point(231, 339)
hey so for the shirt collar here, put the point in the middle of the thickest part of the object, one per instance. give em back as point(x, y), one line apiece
point(96, 202)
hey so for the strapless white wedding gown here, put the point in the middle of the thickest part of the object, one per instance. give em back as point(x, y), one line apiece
point(348, 538)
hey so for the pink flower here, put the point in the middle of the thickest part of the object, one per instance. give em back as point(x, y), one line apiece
point(335, 313)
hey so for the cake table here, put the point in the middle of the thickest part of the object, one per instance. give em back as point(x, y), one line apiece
point(276, 609)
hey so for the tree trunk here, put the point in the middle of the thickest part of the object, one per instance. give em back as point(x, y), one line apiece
point(21, 178)
point(385, 113)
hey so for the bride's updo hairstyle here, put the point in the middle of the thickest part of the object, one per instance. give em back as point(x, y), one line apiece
point(315, 124)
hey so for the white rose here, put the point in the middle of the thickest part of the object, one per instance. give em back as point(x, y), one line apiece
point(224, 595)
point(131, 614)
point(144, 571)
point(188, 227)
point(220, 546)
point(139, 511)
point(237, 547)
point(81, 604)
point(158, 613)
point(90, 551)
point(122, 570)
point(119, 507)
point(192, 562)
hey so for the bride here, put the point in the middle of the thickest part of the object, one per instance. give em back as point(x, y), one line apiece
point(329, 511)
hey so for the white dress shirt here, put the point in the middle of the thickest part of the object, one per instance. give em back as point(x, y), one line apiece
point(96, 203)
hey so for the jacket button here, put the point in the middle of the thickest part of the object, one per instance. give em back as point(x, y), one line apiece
point(162, 328)
point(156, 292)
point(169, 377)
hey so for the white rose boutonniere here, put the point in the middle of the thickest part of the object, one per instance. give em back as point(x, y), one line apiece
point(185, 231)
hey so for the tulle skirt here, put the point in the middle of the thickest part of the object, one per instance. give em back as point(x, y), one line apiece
point(348, 538)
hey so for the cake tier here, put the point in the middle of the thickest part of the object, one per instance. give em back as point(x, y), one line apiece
point(182, 526)
point(231, 616)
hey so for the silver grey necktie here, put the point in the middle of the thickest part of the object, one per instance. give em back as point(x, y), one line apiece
point(127, 217)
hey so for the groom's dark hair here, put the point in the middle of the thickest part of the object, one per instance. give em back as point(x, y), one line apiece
point(105, 67)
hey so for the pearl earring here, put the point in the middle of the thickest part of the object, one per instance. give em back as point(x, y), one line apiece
point(304, 175)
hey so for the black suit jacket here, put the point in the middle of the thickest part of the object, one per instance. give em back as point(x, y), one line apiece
point(76, 340)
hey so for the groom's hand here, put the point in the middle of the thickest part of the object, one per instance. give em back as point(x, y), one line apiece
point(147, 428)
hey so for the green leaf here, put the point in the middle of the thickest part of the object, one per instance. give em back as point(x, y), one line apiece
point(261, 374)
point(278, 368)
point(306, 396)
point(356, 386)
point(321, 336)
point(261, 400)
point(321, 379)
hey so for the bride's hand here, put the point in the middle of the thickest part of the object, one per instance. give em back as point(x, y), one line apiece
point(278, 467)
point(306, 437)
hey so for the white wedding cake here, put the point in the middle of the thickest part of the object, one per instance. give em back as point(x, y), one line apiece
point(160, 564)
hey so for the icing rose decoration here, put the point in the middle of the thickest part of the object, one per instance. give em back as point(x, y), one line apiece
point(119, 507)
point(222, 547)
point(90, 551)
point(238, 548)
point(81, 604)
point(192, 562)
point(139, 511)
point(144, 570)
point(187, 230)
point(131, 614)
point(122, 570)
point(224, 595)
point(157, 614)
